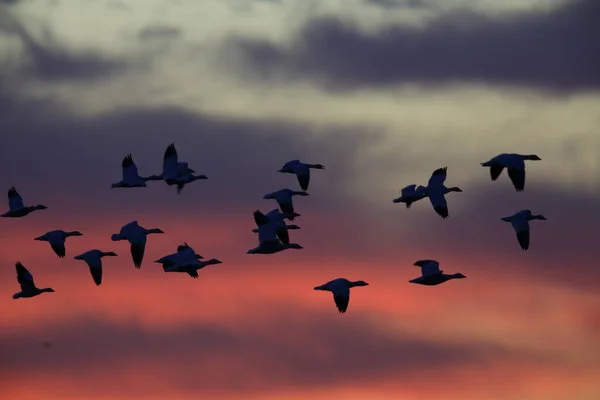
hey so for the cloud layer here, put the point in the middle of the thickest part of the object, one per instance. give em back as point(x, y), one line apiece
point(551, 51)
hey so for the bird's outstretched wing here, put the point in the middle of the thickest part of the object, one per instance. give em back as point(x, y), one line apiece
point(130, 171)
point(15, 201)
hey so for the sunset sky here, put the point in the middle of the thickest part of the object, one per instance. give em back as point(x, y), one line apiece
point(381, 92)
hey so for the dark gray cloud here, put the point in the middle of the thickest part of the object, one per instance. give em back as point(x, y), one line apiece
point(78, 158)
point(50, 61)
point(296, 349)
point(159, 33)
point(554, 51)
point(562, 248)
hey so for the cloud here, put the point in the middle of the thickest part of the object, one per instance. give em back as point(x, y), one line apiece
point(547, 50)
point(159, 33)
point(50, 61)
point(69, 161)
point(297, 349)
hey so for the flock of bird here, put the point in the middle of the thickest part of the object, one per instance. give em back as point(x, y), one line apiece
point(272, 229)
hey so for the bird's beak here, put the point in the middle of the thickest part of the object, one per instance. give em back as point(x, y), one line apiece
point(38, 238)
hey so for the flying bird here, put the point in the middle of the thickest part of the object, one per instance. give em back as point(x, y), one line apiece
point(16, 207)
point(57, 240)
point(340, 288)
point(131, 177)
point(520, 223)
point(281, 228)
point(436, 191)
point(515, 165)
point(283, 198)
point(431, 275)
point(301, 170)
point(267, 237)
point(136, 236)
point(188, 263)
point(28, 288)
point(171, 259)
point(93, 258)
point(173, 169)
point(411, 194)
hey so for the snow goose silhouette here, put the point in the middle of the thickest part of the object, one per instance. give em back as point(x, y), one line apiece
point(57, 240)
point(93, 258)
point(431, 274)
point(515, 165)
point(520, 223)
point(340, 288)
point(411, 194)
point(186, 261)
point(281, 228)
point(173, 169)
point(267, 237)
point(283, 198)
point(301, 170)
point(16, 207)
point(136, 236)
point(182, 249)
point(436, 191)
point(28, 288)
point(131, 177)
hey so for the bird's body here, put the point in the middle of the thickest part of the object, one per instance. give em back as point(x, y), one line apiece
point(431, 275)
point(131, 177)
point(520, 224)
point(190, 265)
point(268, 242)
point(28, 288)
point(137, 237)
point(16, 207)
point(93, 259)
point(182, 250)
point(340, 288)
point(57, 240)
point(301, 170)
point(411, 194)
point(284, 200)
point(436, 191)
point(187, 179)
point(515, 165)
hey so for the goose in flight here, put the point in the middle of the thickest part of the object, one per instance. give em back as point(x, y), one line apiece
point(411, 194)
point(267, 237)
point(520, 223)
point(431, 274)
point(340, 288)
point(93, 258)
point(301, 170)
point(28, 288)
point(16, 207)
point(436, 191)
point(281, 228)
point(514, 164)
point(283, 198)
point(173, 169)
point(188, 263)
point(187, 179)
point(57, 240)
point(182, 250)
point(131, 177)
point(136, 236)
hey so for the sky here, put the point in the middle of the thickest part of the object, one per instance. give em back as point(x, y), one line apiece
point(381, 92)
